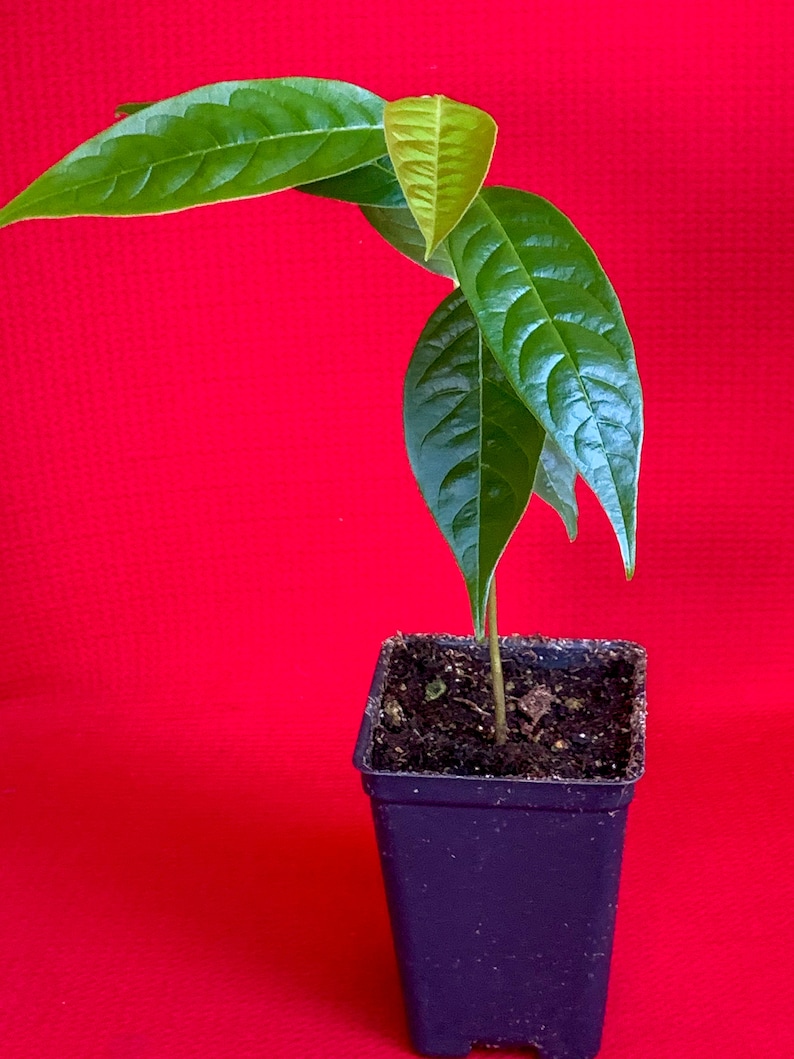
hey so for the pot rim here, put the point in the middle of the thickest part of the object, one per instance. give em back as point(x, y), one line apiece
point(514, 791)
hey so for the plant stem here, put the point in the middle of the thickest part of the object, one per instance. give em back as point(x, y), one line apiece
point(497, 676)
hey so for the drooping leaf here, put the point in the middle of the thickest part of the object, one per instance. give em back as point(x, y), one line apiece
point(441, 150)
point(555, 482)
point(373, 184)
point(555, 325)
point(472, 444)
point(224, 141)
point(398, 227)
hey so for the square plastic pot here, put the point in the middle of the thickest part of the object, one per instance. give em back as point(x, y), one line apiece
point(502, 893)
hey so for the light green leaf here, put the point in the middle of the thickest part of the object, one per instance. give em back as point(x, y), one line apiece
point(555, 482)
point(555, 325)
point(224, 141)
point(373, 184)
point(398, 227)
point(472, 444)
point(441, 152)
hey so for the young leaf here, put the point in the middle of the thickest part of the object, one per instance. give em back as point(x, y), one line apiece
point(472, 444)
point(441, 152)
point(555, 325)
point(373, 184)
point(398, 227)
point(555, 482)
point(224, 141)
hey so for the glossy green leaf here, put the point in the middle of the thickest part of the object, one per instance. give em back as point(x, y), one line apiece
point(554, 323)
point(555, 482)
point(441, 152)
point(224, 141)
point(472, 444)
point(398, 227)
point(373, 184)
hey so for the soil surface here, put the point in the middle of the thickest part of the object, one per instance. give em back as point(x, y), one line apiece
point(569, 709)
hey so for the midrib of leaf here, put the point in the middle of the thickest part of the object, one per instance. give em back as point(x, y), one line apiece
point(203, 153)
point(564, 345)
point(435, 174)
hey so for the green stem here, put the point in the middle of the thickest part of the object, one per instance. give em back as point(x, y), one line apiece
point(497, 676)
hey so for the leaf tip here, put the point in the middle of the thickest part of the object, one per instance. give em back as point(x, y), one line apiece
point(430, 248)
point(478, 603)
point(630, 561)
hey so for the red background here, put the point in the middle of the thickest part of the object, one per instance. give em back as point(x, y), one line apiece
point(208, 525)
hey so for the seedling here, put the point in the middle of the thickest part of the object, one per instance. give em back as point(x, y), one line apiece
point(524, 376)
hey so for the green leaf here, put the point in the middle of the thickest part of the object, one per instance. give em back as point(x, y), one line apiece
point(398, 227)
point(555, 325)
point(224, 141)
point(373, 184)
point(555, 482)
point(441, 151)
point(472, 444)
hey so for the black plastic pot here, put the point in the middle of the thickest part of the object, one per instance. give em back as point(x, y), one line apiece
point(502, 893)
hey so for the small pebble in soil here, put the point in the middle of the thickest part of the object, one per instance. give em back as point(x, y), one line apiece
point(435, 689)
point(393, 711)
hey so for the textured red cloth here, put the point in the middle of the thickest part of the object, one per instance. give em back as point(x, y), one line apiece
point(208, 524)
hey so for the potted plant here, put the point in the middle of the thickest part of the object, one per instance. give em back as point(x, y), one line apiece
point(500, 775)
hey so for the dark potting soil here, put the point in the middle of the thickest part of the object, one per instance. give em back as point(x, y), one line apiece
point(569, 709)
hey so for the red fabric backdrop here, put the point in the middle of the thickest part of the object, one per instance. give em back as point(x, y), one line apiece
point(208, 525)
